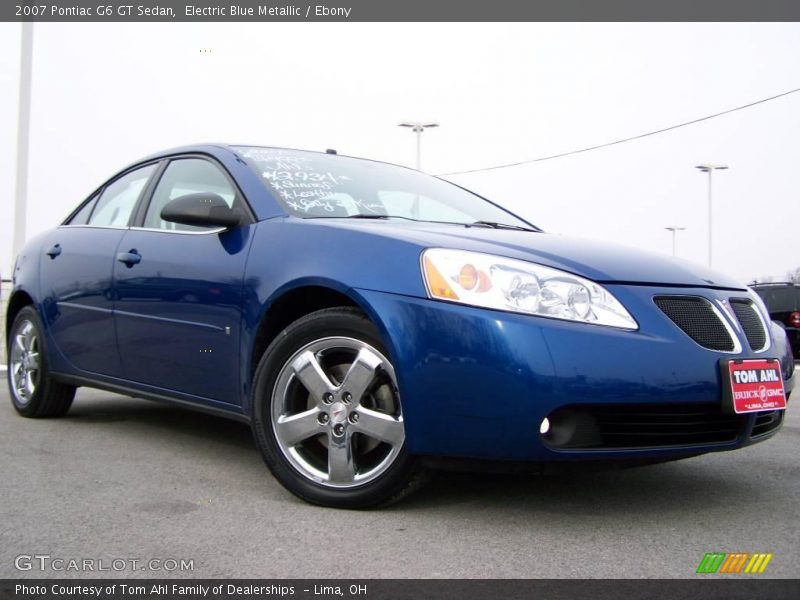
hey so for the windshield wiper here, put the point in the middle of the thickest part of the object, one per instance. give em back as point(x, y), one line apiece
point(362, 216)
point(381, 217)
point(495, 225)
point(489, 224)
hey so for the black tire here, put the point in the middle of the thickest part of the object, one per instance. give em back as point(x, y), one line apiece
point(49, 398)
point(397, 480)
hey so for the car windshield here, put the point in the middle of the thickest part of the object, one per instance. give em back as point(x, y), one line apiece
point(316, 185)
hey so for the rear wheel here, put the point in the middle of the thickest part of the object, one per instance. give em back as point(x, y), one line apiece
point(327, 414)
point(33, 392)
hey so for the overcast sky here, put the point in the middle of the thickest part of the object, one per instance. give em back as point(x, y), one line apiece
point(107, 94)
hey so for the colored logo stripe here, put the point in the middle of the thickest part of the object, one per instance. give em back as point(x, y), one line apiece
point(734, 562)
point(758, 563)
point(711, 562)
point(722, 562)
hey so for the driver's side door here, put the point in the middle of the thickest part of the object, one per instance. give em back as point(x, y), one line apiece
point(178, 291)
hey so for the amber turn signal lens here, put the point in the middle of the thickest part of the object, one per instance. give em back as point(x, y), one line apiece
point(437, 284)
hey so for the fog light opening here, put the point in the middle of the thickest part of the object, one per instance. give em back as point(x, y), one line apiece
point(570, 427)
point(544, 427)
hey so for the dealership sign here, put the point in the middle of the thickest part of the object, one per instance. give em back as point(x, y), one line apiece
point(756, 385)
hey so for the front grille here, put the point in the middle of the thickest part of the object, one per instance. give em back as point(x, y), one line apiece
point(766, 422)
point(751, 323)
point(629, 426)
point(697, 319)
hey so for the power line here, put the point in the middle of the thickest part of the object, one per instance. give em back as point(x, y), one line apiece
point(628, 139)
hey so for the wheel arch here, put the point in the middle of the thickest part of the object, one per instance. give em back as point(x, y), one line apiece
point(293, 301)
point(19, 299)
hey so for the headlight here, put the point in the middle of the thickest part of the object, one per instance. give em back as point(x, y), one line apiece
point(514, 285)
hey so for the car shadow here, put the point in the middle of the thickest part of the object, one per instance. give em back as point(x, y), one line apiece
point(648, 490)
point(92, 407)
point(693, 483)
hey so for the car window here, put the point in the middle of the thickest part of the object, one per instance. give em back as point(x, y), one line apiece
point(780, 299)
point(118, 199)
point(82, 216)
point(187, 176)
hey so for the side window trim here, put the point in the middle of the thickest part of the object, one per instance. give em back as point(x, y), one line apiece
point(98, 193)
point(141, 212)
point(137, 215)
point(151, 163)
point(95, 200)
point(87, 203)
point(93, 197)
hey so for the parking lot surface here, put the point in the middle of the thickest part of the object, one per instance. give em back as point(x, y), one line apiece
point(126, 478)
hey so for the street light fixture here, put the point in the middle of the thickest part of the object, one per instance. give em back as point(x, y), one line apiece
point(709, 168)
point(418, 127)
point(674, 229)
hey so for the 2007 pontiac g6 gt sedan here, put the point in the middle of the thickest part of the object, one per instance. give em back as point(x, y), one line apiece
point(371, 322)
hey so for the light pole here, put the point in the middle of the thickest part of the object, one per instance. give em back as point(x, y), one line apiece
point(418, 127)
point(674, 229)
point(709, 168)
point(23, 135)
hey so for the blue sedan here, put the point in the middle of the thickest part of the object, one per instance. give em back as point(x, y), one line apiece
point(372, 323)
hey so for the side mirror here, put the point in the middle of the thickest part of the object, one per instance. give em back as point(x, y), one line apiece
point(203, 209)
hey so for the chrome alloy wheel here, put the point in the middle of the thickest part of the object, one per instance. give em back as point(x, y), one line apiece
point(24, 362)
point(336, 412)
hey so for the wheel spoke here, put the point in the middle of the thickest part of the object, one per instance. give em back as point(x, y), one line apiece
point(20, 343)
point(341, 467)
point(33, 361)
point(380, 426)
point(19, 376)
point(361, 373)
point(28, 385)
point(310, 373)
point(293, 429)
point(25, 334)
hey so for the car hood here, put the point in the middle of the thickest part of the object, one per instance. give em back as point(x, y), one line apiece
point(598, 261)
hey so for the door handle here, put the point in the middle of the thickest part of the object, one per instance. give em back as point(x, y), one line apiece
point(54, 251)
point(129, 258)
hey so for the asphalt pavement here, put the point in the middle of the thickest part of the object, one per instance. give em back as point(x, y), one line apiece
point(122, 478)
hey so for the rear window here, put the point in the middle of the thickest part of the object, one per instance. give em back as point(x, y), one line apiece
point(780, 299)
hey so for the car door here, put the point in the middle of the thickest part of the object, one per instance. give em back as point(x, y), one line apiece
point(178, 290)
point(76, 274)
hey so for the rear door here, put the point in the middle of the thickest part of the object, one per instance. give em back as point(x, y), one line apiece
point(179, 296)
point(76, 274)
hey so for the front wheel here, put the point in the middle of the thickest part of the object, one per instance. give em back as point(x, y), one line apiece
point(327, 415)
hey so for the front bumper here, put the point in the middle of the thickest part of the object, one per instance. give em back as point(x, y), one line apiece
point(478, 383)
